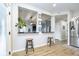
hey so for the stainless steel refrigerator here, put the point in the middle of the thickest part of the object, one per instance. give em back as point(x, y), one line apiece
point(74, 33)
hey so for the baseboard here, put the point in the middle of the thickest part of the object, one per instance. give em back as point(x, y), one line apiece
point(18, 50)
point(24, 48)
point(40, 45)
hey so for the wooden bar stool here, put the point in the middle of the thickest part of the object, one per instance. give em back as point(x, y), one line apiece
point(29, 44)
point(49, 41)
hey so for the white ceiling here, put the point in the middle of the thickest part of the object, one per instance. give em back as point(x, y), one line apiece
point(59, 7)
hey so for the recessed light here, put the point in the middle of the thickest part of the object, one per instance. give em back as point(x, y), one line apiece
point(54, 5)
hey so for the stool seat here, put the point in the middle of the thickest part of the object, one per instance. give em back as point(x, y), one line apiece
point(29, 39)
point(29, 42)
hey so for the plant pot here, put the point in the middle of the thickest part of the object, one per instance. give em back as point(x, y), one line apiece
point(21, 30)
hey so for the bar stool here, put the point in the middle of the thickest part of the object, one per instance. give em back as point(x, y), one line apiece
point(29, 44)
point(49, 41)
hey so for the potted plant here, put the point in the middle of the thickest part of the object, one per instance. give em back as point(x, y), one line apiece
point(21, 24)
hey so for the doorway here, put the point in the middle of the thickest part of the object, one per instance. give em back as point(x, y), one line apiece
point(61, 29)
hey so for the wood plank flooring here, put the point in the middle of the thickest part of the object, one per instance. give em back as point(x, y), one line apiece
point(54, 50)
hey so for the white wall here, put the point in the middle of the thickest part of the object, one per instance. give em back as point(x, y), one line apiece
point(76, 13)
point(64, 32)
point(52, 24)
point(58, 30)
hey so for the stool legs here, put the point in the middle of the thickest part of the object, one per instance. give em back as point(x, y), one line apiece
point(32, 46)
point(26, 47)
point(49, 41)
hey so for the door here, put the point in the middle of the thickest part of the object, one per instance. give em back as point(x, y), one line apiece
point(2, 30)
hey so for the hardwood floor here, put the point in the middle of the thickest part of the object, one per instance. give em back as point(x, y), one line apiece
point(54, 50)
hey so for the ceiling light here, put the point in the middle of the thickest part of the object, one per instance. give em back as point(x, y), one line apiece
point(54, 5)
